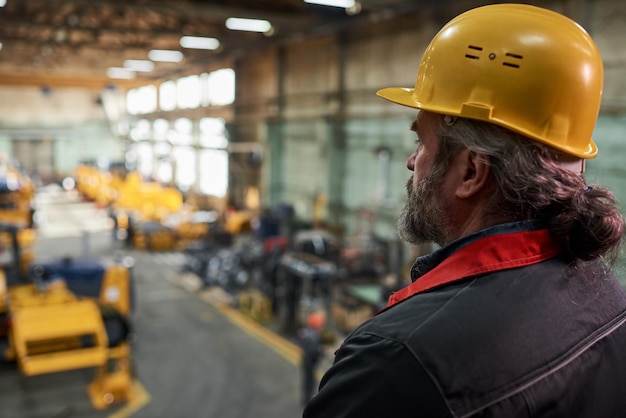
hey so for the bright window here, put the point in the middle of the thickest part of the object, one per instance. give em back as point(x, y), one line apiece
point(144, 159)
point(141, 130)
point(160, 127)
point(204, 89)
point(185, 167)
point(164, 172)
point(212, 133)
point(141, 100)
point(214, 172)
point(162, 149)
point(184, 131)
point(132, 105)
point(222, 87)
point(188, 92)
point(167, 95)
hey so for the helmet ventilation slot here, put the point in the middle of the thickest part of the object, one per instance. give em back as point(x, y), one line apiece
point(514, 56)
point(471, 56)
point(513, 59)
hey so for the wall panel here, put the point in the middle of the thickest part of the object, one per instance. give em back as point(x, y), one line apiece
point(311, 78)
point(257, 85)
point(305, 165)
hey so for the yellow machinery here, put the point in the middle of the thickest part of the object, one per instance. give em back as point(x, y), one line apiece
point(151, 200)
point(17, 194)
point(53, 329)
point(238, 222)
point(152, 236)
point(132, 201)
point(146, 205)
point(24, 238)
point(189, 231)
point(154, 216)
point(189, 225)
point(89, 180)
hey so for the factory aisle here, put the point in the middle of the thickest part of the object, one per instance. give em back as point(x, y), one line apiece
point(191, 357)
point(194, 361)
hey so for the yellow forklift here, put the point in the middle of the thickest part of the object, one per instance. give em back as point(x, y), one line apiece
point(53, 325)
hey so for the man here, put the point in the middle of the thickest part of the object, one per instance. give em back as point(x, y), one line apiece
point(312, 351)
point(517, 314)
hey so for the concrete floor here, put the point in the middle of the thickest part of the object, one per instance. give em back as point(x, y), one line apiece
point(193, 356)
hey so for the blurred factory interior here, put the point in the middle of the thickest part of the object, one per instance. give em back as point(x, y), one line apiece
point(222, 166)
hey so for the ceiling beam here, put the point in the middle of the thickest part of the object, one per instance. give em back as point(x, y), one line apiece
point(12, 27)
point(198, 10)
point(57, 81)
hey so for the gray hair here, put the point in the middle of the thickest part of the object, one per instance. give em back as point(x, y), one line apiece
point(530, 184)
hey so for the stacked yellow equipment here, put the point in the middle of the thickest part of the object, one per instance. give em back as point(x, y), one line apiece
point(150, 200)
point(17, 194)
point(147, 204)
point(53, 330)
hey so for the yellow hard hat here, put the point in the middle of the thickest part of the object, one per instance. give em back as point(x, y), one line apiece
point(526, 68)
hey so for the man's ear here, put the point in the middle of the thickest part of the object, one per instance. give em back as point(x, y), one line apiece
point(475, 174)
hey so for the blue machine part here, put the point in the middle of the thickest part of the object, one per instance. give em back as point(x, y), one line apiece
point(83, 277)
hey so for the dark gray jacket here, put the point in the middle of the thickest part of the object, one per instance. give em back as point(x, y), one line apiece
point(541, 340)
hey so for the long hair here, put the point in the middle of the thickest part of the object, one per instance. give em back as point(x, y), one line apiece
point(530, 184)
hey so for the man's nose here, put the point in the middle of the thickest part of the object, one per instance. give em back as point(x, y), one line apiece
point(410, 163)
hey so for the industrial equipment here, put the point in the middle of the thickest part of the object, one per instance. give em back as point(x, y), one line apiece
point(146, 214)
point(69, 314)
point(305, 276)
point(17, 212)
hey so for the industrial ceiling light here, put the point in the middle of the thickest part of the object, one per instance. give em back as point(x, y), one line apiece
point(250, 25)
point(346, 4)
point(3, 3)
point(164, 55)
point(198, 42)
point(139, 65)
point(118, 72)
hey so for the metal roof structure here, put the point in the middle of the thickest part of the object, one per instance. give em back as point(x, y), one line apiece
point(73, 42)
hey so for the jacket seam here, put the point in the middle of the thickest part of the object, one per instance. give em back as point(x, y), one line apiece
point(442, 307)
point(407, 347)
point(573, 354)
point(434, 381)
point(419, 360)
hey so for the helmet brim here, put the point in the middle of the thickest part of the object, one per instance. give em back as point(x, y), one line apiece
point(405, 96)
point(400, 95)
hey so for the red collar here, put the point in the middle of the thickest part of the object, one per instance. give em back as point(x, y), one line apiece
point(492, 253)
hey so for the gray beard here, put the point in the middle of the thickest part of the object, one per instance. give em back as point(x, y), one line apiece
point(422, 219)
